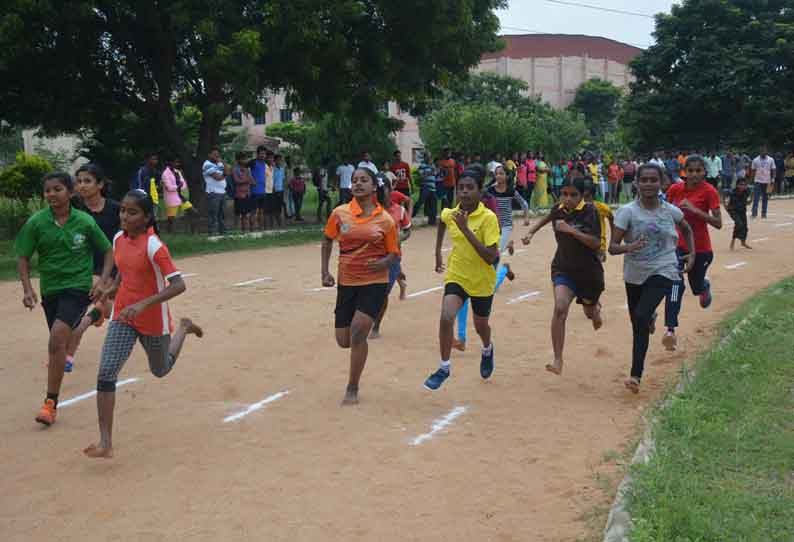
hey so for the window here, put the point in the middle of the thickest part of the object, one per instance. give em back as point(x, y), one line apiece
point(260, 119)
point(384, 108)
point(286, 115)
point(237, 117)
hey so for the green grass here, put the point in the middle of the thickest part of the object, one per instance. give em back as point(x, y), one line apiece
point(184, 245)
point(724, 462)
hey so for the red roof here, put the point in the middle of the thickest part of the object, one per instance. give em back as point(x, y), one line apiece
point(554, 45)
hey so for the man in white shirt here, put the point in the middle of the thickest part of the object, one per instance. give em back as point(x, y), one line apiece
point(214, 173)
point(657, 159)
point(366, 162)
point(763, 172)
point(344, 180)
point(713, 167)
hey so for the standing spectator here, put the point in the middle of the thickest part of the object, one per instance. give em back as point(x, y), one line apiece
point(272, 205)
point(614, 178)
point(658, 160)
point(258, 168)
point(403, 173)
point(297, 190)
point(763, 172)
point(449, 178)
point(540, 195)
point(214, 173)
point(672, 166)
point(289, 208)
point(148, 177)
point(427, 191)
point(344, 180)
point(780, 172)
point(559, 172)
point(510, 168)
point(713, 168)
point(243, 201)
point(629, 175)
point(279, 183)
point(366, 162)
point(532, 176)
point(521, 176)
point(789, 163)
point(172, 185)
point(742, 166)
point(320, 180)
point(728, 171)
point(388, 174)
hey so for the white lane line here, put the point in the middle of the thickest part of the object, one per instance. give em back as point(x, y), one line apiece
point(322, 289)
point(761, 240)
point(254, 281)
point(256, 406)
point(423, 292)
point(84, 396)
point(438, 425)
point(521, 251)
point(784, 224)
point(736, 265)
point(188, 275)
point(523, 297)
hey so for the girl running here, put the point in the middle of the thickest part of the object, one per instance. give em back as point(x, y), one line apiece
point(91, 187)
point(140, 310)
point(736, 204)
point(368, 246)
point(576, 270)
point(700, 203)
point(66, 240)
point(402, 219)
point(503, 197)
point(475, 249)
point(646, 227)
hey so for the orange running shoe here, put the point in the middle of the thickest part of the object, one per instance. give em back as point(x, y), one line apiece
point(47, 413)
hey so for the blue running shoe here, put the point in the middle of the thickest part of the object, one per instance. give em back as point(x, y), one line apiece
point(705, 297)
point(486, 364)
point(435, 380)
point(68, 367)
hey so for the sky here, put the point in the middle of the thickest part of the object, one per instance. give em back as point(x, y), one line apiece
point(558, 17)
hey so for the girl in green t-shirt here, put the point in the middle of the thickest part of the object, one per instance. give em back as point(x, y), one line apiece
point(65, 240)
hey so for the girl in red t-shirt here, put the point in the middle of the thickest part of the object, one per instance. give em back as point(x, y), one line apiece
point(140, 312)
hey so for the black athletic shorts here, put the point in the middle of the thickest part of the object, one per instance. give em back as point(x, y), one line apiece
point(480, 305)
point(368, 299)
point(68, 306)
point(272, 204)
point(259, 202)
point(243, 206)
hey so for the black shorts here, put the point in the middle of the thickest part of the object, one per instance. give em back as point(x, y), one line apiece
point(368, 299)
point(273, 202)
point(68, 306)
point(243, 206)
point(480, 305)
point(258, 202)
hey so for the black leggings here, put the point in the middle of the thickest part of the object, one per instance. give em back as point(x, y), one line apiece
point(739, 224)
point(643, 299)
point(697, 281)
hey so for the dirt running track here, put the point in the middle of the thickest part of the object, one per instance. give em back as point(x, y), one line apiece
point(517, 465)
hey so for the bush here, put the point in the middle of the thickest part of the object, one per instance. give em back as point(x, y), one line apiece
point(14, 213)
point(22, 179)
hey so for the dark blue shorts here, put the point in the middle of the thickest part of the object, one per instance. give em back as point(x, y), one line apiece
point(585, 294)
point(394, 273)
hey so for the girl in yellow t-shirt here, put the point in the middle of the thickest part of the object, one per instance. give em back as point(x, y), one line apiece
point(470, 272)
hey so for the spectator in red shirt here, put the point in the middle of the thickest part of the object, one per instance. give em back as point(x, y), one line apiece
point(297, 189)
point(447, 194)
point(402, 171)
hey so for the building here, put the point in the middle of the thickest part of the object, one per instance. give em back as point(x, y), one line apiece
point(553, 65)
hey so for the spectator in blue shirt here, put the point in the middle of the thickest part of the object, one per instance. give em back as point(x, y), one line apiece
point(279, 178)
point(146, 174)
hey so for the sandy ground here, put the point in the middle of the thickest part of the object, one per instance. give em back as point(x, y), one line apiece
point(518, 464)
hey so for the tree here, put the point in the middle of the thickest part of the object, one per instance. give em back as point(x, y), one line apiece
point(338, 137)
point(96, 60)
point(294, 133)
point(598, 101)
point(487, 88)
point(22, 179)
point(719, 72)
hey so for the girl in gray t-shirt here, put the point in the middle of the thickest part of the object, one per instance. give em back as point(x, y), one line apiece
point(645, 231)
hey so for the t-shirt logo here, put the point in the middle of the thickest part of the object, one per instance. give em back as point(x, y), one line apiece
point(78, 241)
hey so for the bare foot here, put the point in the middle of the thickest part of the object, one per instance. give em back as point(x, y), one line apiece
point(733, 245)
point(598, 321)
point(459, 345)
point(745, 245)
point(632, 384)
point(555, 367)
point(351, 397)
point(190, 327)
point(511, 249)
point(510, 275)
point(374, 334)
point(96, 451)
